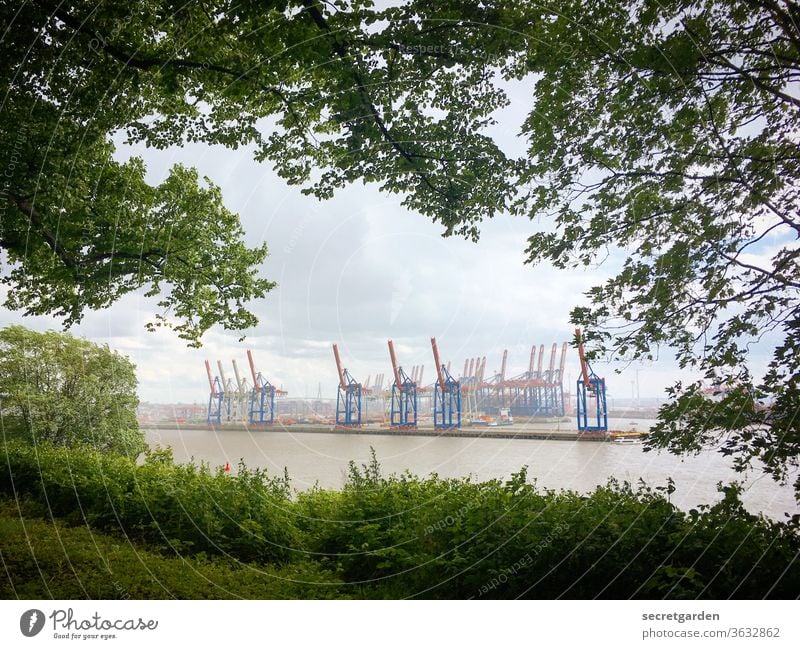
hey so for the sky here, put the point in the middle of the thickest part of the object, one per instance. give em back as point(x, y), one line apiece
point(358, 270)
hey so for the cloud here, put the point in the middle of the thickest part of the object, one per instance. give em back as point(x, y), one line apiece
point(356, 270)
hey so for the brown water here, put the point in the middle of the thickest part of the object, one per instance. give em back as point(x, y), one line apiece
point(323, 458)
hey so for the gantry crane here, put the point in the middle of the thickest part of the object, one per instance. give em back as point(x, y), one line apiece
point(501, 384)
point(558, 383)
point(403, 413)
point(535, 392)
point(522, 390)
point(215, 398)
point(592, 413)
point(446, 395)
point(242, 394)
point(373, 400)
point(348, 396)
point(262, 397)
point(229, 394)
point(550, 389)
point(491, 392)
point(532, 384)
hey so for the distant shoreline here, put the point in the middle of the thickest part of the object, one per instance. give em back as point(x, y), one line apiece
point(544, 431)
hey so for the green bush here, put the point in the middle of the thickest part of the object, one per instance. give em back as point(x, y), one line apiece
point(178, 508)
point(50, 561)
point(404, 536)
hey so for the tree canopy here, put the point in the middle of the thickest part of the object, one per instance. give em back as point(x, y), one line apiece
point(313, 88)
point(67, 391)
point(661, 133)
point(671, 140)
point(80, 229)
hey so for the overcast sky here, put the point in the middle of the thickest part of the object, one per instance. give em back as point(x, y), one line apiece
point(358, 270)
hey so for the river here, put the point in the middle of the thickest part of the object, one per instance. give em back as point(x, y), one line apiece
point(323, 458)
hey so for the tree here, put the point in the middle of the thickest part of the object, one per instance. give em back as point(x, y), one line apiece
point(67, 391)
point(302, 85)
point(81, 229)
point(670, 139)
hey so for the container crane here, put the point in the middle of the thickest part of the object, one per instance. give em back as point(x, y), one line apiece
point(215, 398)
point(404, 396)
point(469, 390)
point(521, 389)
point(480, 385)
point(530, 399)
point(550, 384)
point(502, 384)
point(229, 393)
point(491, 393)
point(446, 395)
point(242, 394)
point(592, 412)
point(540, 384)
point(348, 396)
point(262, 397)
point(559, 381)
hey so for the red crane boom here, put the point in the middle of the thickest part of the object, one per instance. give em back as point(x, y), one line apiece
point(256, 386)
point(582, 357)
point(339, 367)
point(553, 352)
point(437, 362)
point(394, 365)
point(210, 379)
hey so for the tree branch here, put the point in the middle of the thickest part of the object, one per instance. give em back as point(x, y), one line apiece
point(313, 11)
point(37, 221)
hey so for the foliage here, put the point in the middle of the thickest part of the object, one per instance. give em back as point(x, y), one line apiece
point(81, 229)
point(67, 391)
point(182, 509)
point(398, 536)
point(299, 84)
point(404, 536)
point(79, 563)
point(669, 141)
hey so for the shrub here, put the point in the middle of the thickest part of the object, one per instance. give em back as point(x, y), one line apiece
point(45, 560)
point(182, 509)
point(403, 536)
